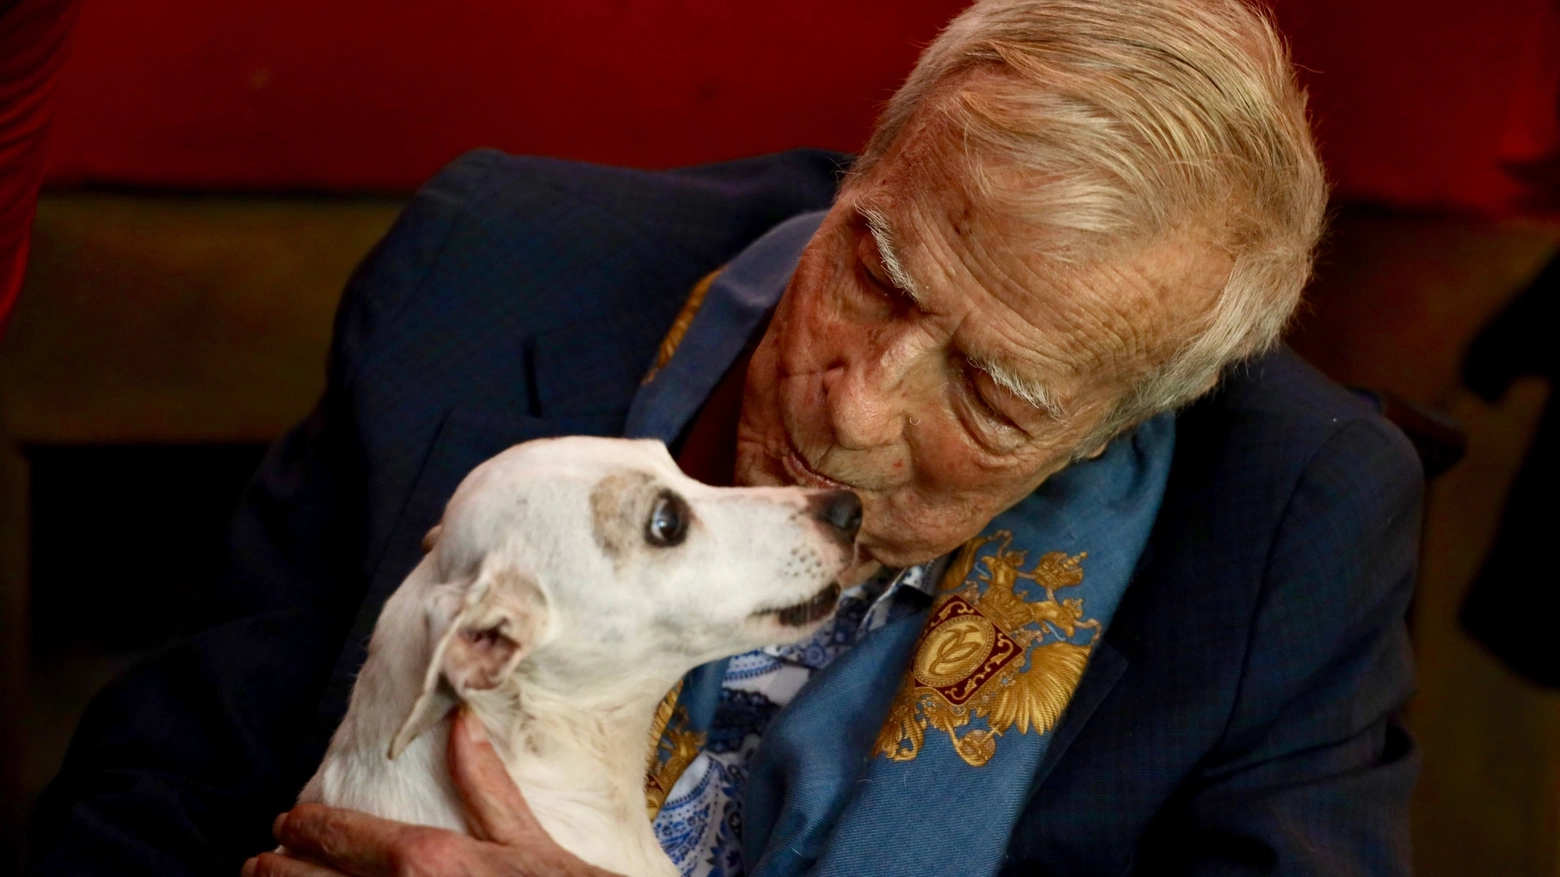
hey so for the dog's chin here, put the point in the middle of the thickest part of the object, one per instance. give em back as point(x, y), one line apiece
point(798, 618)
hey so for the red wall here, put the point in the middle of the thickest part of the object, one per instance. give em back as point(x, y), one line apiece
point(1427, 103)
point(1420, 103)
point(377, 94)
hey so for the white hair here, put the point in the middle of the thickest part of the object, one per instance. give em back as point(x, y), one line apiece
point(1130, 123)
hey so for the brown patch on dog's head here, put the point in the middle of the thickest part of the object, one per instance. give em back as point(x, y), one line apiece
point(611, 518)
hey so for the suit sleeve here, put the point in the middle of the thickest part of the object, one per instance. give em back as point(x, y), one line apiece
point(180, 766)
point(1315, 770)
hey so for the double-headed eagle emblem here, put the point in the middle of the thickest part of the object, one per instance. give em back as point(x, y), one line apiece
point(993, 650)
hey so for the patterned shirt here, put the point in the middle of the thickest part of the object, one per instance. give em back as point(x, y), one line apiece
point(700, 825)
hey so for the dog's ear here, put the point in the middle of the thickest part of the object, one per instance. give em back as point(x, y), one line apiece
point(481, 631)
point(431, 538)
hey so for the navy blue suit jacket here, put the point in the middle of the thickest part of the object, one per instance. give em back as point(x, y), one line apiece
point(1239, 718)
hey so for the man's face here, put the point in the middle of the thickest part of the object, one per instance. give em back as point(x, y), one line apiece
point(899, 360)
point(879, 369)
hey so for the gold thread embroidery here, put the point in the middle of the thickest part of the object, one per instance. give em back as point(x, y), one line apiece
point(989, 653)
point(673, 746)
point(680, 324)
point(663, 715)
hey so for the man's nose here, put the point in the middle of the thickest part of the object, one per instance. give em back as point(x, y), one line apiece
point(866, 395)
point(861, 409)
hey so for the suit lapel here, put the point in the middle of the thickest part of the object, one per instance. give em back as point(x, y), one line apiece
point(1106, 666)
point(1109, 663)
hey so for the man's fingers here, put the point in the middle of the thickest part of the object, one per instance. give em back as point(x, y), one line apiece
point(495, 809)
point(277, 865)
point(357, 843)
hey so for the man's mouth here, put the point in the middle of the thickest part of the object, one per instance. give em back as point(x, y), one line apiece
point(806, 612)
point(805, 475)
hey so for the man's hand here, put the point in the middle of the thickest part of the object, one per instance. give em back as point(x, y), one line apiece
point(327, 842)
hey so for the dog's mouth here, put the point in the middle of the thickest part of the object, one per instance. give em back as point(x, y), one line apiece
point(808, 611)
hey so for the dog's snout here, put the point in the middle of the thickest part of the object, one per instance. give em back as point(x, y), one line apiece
point(841, 510)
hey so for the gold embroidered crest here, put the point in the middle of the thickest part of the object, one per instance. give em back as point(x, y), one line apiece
point(989, 653)
point(673, 746)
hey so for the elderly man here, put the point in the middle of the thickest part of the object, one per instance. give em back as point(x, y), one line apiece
point(1105, 629)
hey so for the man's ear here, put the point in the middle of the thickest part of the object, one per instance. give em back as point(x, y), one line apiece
point(431, 538)
point(481, 632)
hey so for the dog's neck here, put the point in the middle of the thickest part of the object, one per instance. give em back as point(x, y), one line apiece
point(580, 762)
point(578, 759)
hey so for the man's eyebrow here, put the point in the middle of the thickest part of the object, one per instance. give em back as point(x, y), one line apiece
point(883, 237)
point(1033, 392)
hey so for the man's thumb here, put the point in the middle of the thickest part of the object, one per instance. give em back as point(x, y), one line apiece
point(495, 809)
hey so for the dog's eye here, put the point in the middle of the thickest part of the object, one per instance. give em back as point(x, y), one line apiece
point(668, 522)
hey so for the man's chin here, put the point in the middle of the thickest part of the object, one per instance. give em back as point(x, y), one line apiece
point(864, 568)
point(898, 556)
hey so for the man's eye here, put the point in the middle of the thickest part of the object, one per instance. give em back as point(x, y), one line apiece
point(982, 405)
point(877, 282)
point(668, 524)
point(876, 275)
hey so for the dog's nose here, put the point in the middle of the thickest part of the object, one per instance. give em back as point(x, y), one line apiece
point(841, 510)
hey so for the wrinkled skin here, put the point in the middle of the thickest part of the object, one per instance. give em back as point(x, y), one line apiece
point(855, 384)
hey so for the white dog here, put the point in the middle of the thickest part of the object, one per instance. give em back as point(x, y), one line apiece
point(570, 585)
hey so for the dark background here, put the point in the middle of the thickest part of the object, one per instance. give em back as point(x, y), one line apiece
point(215, 170)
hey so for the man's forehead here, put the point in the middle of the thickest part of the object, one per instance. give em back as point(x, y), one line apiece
point(1028, 369)
point(1103, 318)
